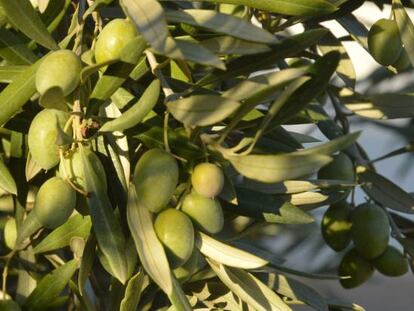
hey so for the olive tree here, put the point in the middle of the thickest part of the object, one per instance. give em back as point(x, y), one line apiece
point(144, 152)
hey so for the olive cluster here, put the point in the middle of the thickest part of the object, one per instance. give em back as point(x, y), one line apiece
point(198, 208)
point(367, 226)
point(385, 45)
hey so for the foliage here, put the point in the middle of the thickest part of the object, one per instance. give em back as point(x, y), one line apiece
point(126, 141)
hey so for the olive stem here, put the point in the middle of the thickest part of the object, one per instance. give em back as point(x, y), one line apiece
point(157, 72)
point(5, 273)
point(166, 143)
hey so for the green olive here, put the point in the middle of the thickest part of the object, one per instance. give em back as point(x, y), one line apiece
point(193, 264)
point(155, 179)
point(340, 168)
point(176, 233)
point(72, 167)
point(206, 213)
point(354, 270)
point(403, 62)
point(391, 263)
point(10, 233)
point(336, 226)
point(42, 137)
point(9, 305)
point(54, 203)
point(207, 179)
point(384, 42)
point(113, 38)
point(370, 230)
point(59, 69)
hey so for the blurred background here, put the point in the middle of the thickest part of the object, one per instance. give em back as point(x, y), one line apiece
point(306, 250)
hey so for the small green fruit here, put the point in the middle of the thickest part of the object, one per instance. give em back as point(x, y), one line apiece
point(10, 233)
point(336, 226)
point(340, 168)
point(193, 264)
point(42, 137)
point(207, 179)
point(72, 167)
point(155, 179)
point(391, 263)
point(176, 233)
point(206, 213)
point(384, 42)
point(357, 268)
point(403, 62)
point(370, 230)
point(59, 69)
point(54, 203)
point(9, 305)
point(113, 38)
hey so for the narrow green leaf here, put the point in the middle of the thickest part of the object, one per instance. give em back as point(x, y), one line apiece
point(226, 45)
point(137, 112)
point(226, 254)
point(136, 285)
point(332, 146)
point(296, 290)
point(111, 240)
point(284, 7)
point(276, 168)
point(178, 298)
point(22, 15)
point(383, 106)
point(76, 226)
point(14, 50)
point(17, 93)
point(150, 250)
point(86, 264)
point(7, 182)
point(221, 23)
point(202, 110)
point(384, 191)
point(406, 28)
point(197, 53)
point(251, 290)
point(149, 17)
point(9, 73)
point(50, 286)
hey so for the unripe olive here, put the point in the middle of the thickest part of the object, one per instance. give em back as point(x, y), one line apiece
point(403, 62)
point(384, 42)
point(340, 168)
point(59, 69)
point(370, 230)
point(356, 268)
point(155, 179)
point(176, 233)
point(193, 264)
point(54, 203)
point(206, 213)
point(42, 137)
point(391, 263)
point(207, 179)
point(10, 233)
point(9, 305)
point(336, 226)
point(113, 38)
point(72, 167)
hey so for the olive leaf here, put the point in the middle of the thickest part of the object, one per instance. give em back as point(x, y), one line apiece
point(7, 182)
point(285, 7)
point(76, 226)
point(405, 27)
point(226, 254)
point(250, 289)
point(14, 50)
point(150, 250)
point(50, 286)
point(202, 110)
point(226, 45)
point(17, 93)
point(107, 229)
point(221, 23)
point(135, 287)
point(22, 15)
point(137, 112)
